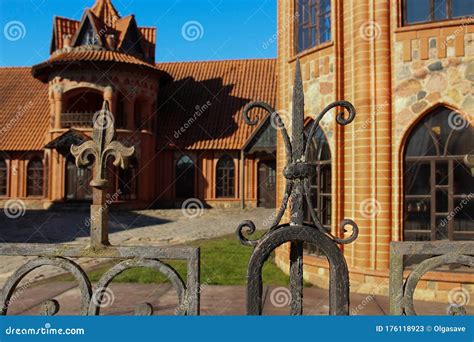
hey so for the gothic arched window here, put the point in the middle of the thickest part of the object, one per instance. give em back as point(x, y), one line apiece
point(438, 185)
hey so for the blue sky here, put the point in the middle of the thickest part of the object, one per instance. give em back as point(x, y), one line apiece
point(227, 29)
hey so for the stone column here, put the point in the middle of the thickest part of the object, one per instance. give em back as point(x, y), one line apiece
point(58, 105)
point(110, 96)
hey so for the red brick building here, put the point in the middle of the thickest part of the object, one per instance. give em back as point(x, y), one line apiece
point(184, 119)
point(403, 169)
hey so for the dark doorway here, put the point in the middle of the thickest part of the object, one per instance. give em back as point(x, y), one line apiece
point(77, 182)
point(184, 178)
point(266, 183)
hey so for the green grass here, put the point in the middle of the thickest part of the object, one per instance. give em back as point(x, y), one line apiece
point(223, 262)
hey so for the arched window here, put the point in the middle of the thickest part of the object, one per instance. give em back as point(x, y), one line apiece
point(320, 159)
point(184, 177)
point(34, 181)
point(80, 105)
point(3, 177)
point(225, 177)
point(128, 181)
point(438, 185)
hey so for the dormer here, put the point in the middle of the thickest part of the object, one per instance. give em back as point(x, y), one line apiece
point(91, 31)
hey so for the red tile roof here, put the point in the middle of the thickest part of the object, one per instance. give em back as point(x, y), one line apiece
point(61, 27)
point(24, 110)
point(228, 86)
point(92, 56)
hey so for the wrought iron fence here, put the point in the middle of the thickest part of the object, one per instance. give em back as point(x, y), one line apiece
point(437, 253)
point(96, 152)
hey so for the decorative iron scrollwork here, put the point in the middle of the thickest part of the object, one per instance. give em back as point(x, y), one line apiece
point(297, 175)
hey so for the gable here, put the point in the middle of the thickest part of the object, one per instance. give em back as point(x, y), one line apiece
point(131, 42)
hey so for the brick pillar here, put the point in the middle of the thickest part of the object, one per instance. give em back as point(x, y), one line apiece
point(361, 164)
point(367, 151)
point(383, 133)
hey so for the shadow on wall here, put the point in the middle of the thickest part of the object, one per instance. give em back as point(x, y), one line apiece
point(45, 226)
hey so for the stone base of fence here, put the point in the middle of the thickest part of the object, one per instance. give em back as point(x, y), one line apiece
point(435, 286)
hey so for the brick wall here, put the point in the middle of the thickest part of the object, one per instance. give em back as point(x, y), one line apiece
point(392, 75)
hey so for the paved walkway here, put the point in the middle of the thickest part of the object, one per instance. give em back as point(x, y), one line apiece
point(147, 227)
point(215, 300)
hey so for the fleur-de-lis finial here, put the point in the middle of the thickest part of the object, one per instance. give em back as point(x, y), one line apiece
point(96, 152)
point(101, 147)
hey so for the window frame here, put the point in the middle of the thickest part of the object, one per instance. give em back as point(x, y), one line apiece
point(449, 17)
point(229, 186)
point(41, 179)
point(316, 26)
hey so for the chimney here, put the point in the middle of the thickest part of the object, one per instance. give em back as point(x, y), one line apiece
point(66, 40)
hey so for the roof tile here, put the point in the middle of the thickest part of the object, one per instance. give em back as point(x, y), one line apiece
point(228, 86)
point(25, 110)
